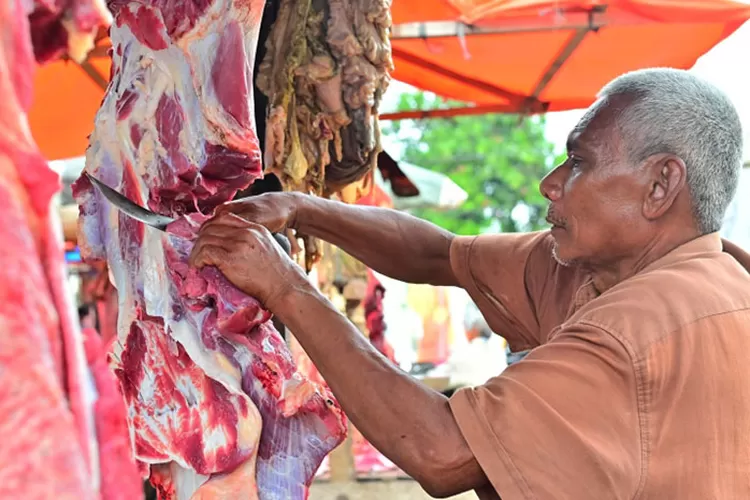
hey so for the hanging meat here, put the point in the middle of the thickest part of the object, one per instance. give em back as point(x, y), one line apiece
point(326, 68)
point(50, 447)
point(216, 407)
point(66, 28)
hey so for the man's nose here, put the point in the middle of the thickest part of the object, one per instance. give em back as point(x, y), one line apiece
point(551, 186)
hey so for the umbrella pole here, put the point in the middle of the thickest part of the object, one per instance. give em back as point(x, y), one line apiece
point(572, 44)
point(590, 20)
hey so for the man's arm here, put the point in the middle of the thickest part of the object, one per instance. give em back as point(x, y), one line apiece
point(408, 422)
point(392, 243)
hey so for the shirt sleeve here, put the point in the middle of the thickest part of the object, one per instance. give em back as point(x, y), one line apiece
point(516, 283)
point(564, 423)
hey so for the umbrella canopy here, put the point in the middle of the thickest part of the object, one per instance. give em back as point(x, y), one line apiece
point(501, 55)
point(66, 99)
point(534, 55)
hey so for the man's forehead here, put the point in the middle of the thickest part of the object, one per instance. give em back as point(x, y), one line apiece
point(595, 126)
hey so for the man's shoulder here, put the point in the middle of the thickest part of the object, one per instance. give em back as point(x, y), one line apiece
point(651, 305)
point(533, 252)
point(516, 283)
point(490, 243)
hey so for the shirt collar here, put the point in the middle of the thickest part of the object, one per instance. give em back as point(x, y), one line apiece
point(708, 243)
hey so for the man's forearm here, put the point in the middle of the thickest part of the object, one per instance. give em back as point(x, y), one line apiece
point(393, 243)
point(408, 422)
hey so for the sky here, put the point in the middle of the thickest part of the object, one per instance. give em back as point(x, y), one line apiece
point(726, 66)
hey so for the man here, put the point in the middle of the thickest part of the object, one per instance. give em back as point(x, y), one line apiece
point(639, 319)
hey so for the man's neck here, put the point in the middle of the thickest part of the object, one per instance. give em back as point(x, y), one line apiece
point(607, 275)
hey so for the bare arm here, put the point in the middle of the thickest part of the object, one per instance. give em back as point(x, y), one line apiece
point(408, 422)
point(392, 243)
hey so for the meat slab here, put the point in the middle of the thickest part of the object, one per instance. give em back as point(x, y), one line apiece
point(120, 478)
point(215, 405)
point(47, 417)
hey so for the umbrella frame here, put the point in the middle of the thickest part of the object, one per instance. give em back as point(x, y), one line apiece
point(518, 103)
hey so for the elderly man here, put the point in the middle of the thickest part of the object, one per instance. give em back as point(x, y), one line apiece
point(637, 313)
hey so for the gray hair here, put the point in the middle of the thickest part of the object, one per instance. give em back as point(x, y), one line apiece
point(673, 111)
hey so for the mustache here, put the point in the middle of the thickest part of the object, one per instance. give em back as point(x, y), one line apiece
point(554, 218)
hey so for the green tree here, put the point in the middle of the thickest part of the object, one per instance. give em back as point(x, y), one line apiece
point(498, 159)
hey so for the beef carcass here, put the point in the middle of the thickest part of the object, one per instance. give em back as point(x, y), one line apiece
point(120, 478)
point(47, 431)
point(216, 408)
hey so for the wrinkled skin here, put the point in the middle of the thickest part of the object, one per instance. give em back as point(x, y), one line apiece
point(247, 254)
point(274, 211)
point(609, 214)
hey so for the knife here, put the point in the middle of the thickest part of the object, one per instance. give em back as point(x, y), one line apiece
point(160, 222)
point(129, 208)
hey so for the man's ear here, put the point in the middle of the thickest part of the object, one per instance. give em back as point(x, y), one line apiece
point(667, 177)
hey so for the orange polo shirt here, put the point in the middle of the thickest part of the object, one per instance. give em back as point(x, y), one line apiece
point(642, 392)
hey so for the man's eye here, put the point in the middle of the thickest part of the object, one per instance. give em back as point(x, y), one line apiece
point(575, 162)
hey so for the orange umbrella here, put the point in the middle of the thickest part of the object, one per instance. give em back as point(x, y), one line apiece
point(534, 55)
point(66, 99)
point(501, 55)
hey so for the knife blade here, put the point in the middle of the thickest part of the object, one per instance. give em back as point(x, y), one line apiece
point(160, 222)
point(125, 205)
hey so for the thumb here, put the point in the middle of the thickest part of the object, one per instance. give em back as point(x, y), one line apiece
point(231, 207)
point(210, 255)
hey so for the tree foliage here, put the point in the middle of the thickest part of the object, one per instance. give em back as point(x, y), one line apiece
point(498, 159)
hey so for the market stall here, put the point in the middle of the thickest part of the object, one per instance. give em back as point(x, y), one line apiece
point(534, 55)
point(347, 283)
point(439, 51)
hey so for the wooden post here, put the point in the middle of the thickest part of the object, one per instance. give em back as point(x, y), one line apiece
point(342, 458)
point(341, 461)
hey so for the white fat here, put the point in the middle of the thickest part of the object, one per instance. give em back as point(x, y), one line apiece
point(156, 285)
point(266, 344)
point(214, 438)
point(295, 391)
point(186, 481)
point(214, 364)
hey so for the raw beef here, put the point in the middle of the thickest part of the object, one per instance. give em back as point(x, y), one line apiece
point(46, 420)
point(375, 317)
point(216, 408)
point(120, 478)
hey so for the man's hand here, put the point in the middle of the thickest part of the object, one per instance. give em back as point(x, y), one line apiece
point(249, 257)
point(392, 243)
point(274, 211)
point(408, 422)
